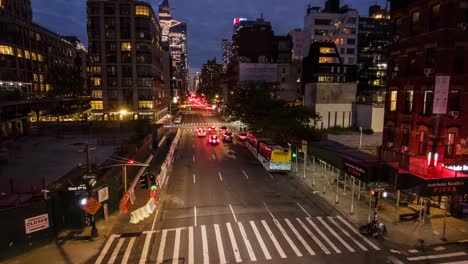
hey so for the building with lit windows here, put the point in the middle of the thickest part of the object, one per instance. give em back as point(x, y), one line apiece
point(373, 39)
point(27, 53)
point(210, 79)
point(226, 48)
point(125, 54)
point(426, 115)
point(334, 24)
point(298, 42)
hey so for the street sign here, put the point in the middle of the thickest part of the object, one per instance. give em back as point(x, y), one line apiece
point(36, 223)
point(89, 176)
point(304, 146)
point(92, 206)
point(379, 184)
point(103, 194)
point(81, 187)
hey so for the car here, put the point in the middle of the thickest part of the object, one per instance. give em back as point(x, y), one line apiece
point(227, 137)
point(224, 128)
point(213, 140)
point(212, 129)
point(178, 120)
point(242, 136)
point(201, 132)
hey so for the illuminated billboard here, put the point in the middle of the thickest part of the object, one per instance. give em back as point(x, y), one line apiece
point(237, 20)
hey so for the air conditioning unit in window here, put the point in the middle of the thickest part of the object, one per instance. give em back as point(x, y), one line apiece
point(390, 144)
point(453, 114)
point(428, 71)
point(404, 148)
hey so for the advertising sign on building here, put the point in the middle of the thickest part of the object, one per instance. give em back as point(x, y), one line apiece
point(258, 72)
point(441, 91)
point(355, 170)
point(446, 187)
point(36, 223)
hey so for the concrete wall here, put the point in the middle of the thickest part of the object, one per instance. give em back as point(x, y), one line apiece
point(369, 116)
point(334, 115)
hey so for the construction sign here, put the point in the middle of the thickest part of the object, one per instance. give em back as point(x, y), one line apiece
point(92, 206)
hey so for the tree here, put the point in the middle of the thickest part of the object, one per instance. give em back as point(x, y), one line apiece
point(65, 81)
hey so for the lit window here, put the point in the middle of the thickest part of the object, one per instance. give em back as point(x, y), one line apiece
point(97, 105)
point(145, 105)
point(41, 78)
point(142, 10)
point(39, 57)
point(126, 46)
point(1, 3)
point(325, 60)
point(325, 50)
point(35, 77)
point(47, 86)
point(33, 56)
point(38, 37)
point(393, 100)
point(19, 52)
point(27, 54)
point(95, 69)
point(96, 94)
point(95, 81)
point(6, 50)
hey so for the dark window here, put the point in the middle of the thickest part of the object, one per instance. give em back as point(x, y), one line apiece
point(127, 70)
point(113, 94)
point(434, 17)
point(124, 9)
point(430, 58)
point(126, 57)
point(397, 26)
point(93, 27)
point(414, 23)
point(412, 62)
point(93, 9)
point(351, 41)
point(109, 9)
point(422, 142)
point(127, 81)
point(409, 101)
point(405, 137)
point(428, 102)
point(349, 51)
point(109, 23)
point(323, 22)
point(390, 134)
point(459, 60)
point(454, 101)
point(125, 30)
point(112, 81)
point(110, 47)
point(111, 70)
point(396, 63)
point(111, 58)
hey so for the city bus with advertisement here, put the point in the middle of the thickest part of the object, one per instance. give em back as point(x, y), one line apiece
point(274, 157)
point(252, 142)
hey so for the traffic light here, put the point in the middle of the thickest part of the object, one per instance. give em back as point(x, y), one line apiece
point(131, 162)
point(372, 192)
point(144, 181)
point(294, 154)
point(152, 177)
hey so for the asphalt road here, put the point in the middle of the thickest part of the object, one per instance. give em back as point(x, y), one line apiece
point(220, 206)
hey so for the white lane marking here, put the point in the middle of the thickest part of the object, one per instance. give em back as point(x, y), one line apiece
point(190, 246)
point(347, 234)
point(448, 255)
point(439, 248)
point(161, 247)
point(154, 220)
point(323, 235)
point(247, 242)
point(357, 233)
point(233, 214)
point(301, 239)
point(106, 248)
point(455, 262)
point(194, 157)
point(413, 251)
point(233, 242)
point(272, 216)
point(220, 177)
point(288, 239)
point(336, 235)
point(144, 252)
point(303, 209)
point(194, 178)
point(127, 251)
point(394, 260)
point(317, 241)
point(175, 254)
point(206, 256)
point(214, 157)
point(116, 251)
point(273, 239)
point(269, 174)
point(260, 240)
point(219, 241)
point(245, 174)
point(195, 215)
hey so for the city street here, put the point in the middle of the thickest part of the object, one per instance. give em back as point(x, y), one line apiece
point(220, 205)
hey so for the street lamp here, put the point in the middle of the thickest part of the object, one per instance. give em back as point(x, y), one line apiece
point(360, 137)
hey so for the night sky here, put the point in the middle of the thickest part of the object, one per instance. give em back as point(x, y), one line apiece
point(208, 21)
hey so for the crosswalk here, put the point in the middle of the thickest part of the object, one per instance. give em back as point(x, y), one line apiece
point(439, 255)
point(198, 124)
point(237, 242)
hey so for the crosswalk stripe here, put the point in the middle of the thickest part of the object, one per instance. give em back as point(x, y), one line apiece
point(247, 242)
point(317, 241)
point(206, 256)
point(175, 254)
point(455, 254)
point(357, 233)
point(347, 234)
point(116, 251)
point(323, 235)
point(288, 239)
point(336, 235)
point(219, 241)
point(301, 239)
point(260, 240)
point(233, 242)
point(273, 239)
point(160, 258)
point(144, 252)
point(191, 251)
point(128, 250)
point(105, 249)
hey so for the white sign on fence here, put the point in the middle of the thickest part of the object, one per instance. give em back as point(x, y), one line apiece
point(103, 194)
point(36, 223)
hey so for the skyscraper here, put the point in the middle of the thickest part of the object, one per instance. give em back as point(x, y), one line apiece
point(125, 65)
point(227, 53)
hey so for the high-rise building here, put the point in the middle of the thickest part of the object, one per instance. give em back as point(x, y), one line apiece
point(426, 115)
point(227, 53)
point(210, 79)
point(373, 39)
point(196, 81)
point(298, 42)
point(125, 60)
point(334, 25)
point(175, 34)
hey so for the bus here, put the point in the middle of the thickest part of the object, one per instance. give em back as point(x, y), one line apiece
point(272, 156)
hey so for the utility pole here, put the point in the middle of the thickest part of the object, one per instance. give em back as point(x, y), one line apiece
point(94, 231)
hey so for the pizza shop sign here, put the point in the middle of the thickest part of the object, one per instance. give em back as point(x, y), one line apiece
point(354, 170)
point(447, 187)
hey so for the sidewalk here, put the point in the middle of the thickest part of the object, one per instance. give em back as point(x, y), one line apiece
point(404, 233)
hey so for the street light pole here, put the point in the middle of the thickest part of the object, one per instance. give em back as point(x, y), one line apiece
point(360, 137)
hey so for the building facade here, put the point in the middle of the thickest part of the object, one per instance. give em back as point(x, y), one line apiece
point(298, 44)
point(226, 49)
point(373, 39)
point(338, 25)
point(125, 70)
point(210, 79)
